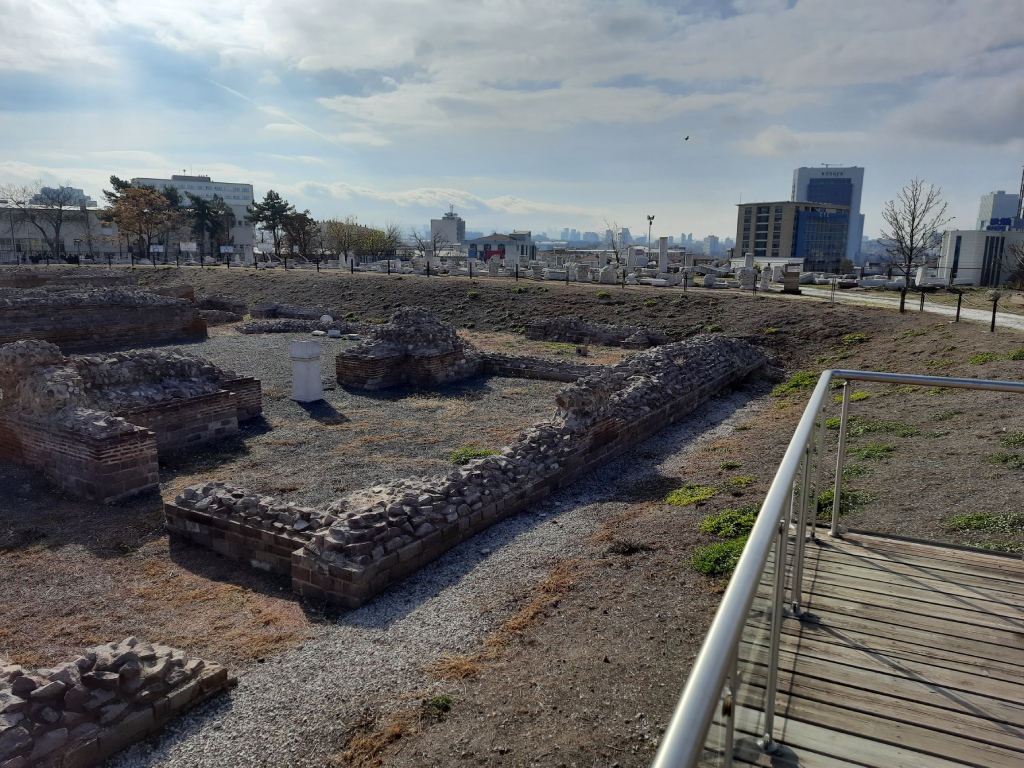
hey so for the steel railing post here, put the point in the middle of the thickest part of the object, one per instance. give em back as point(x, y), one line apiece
point(729, 706)
point(778, 603)
point(841, 456)
point(796, 577)
point(817, 475)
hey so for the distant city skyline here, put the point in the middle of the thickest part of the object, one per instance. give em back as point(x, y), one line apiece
point(360, 109)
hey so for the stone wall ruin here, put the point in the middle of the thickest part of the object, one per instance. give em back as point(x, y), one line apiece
point(569, 330)
point(365, 542)
point(81, 318)
point(93, 424)
point(81, 712)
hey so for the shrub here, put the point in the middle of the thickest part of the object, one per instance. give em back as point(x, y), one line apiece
point(796, 382)
point(466, 453)
point(438, 705)
point(729, 464)
point(849, 500)
point(520, 289)
point(718, 558)
point(731, 523)
point(690, 493)
point(1017, 354)
point(472, 294)
point(1011, 460)
point(985, 357)
point(856, 338)
point(604, 294)
point(873, 451)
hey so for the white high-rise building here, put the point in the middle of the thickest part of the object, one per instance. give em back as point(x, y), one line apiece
point(836, 186)
point(997, 205)
point(450, 228)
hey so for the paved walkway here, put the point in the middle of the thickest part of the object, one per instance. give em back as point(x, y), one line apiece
point(1003, 319)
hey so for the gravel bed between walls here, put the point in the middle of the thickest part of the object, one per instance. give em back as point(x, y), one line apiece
point(295, 709)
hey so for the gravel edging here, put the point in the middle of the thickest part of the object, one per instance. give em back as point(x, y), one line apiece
point(296, 709)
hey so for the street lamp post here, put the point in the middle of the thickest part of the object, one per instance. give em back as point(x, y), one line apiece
point(650, 226)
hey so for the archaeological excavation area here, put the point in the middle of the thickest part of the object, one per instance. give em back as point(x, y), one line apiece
point(459, 503)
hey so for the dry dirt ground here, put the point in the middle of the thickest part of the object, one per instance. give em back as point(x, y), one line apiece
point(589, 663)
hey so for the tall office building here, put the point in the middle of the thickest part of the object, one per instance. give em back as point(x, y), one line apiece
point(997, 205)
point(816, 234)
point(834, 186)
point(451, 228)
point(238, 197)
point(565, 233)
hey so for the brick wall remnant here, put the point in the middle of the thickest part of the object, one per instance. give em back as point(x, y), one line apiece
point(289, 325)
point(81, 712)
point(93, 424)
point(221, 302)
point(34, 277)
point(368, 540)
point(81, 319)
point(268, 310)
point(413, 349)
point(569, 330)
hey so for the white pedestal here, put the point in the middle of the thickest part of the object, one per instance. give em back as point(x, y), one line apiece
point(306, 384)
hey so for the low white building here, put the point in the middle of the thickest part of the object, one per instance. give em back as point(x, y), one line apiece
point(517, 247)
point(977, 257)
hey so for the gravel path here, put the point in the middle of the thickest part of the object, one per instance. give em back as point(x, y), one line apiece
point(296, 709)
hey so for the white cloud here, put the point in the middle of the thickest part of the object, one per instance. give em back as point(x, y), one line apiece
point(269, 78)
point(782, 140)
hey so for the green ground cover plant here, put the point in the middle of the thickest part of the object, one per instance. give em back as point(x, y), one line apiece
point(466, 453)
point(985, 357)
point(872, 451)
point(856, 338)
point(690, 493)
point(849, 500)
point(1015, 440)
point(731, 523)
point(718, 558)
point(796, 383)
point(1011, 460)
point(983, 521)
point(728, 464)
point(1017, 354)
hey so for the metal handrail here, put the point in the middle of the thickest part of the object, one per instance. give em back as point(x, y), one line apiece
point(684, 739)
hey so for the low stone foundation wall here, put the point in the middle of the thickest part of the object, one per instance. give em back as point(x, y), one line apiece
point(84, 711)
point(529, 367)
point(376, 371)
point(364, 543)
point(93, 425)
point(103, 468)
point(28, 277)
point(107, 318)
point(569, 330)
point(268, 310)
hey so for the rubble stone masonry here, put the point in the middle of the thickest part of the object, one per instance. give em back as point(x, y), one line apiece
point(79, 713)
point(365, 542)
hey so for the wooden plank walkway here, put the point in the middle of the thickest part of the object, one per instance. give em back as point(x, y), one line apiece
point(913, 655)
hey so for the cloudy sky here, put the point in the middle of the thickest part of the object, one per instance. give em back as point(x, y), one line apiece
point(524, 114)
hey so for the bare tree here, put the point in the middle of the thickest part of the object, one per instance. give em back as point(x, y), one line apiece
point(429, 244)
point(47, 209)
point(342, 237)
point(613, 238)
point(1014, 255)
point(914, 222)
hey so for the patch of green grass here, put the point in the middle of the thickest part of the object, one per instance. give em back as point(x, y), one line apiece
point(857, 426)
point(856, 338)
point(855, 397)
point(466, 453)
point(983, 521)
point(1015, 440)
point(985, 357)
point(834, 357)
point(718, 558)
point(437, 706)
point(938, 390)
point(770, 331)
point(520, 289)
point(999, 546)
point(743, 427)
point(690, 493)
point(604, 294)
point(796, 382)
point(850, 471)
point(472, 294)
point(911, 334)
point(349, 316)
point(849, 500)
point(947, 415)
point(741, 481)
point(872, 451)
point(938, 363)
point(729, 464)
point(1017, 354)
point(650, 302)
point(712, 327)
point(1011, 460)
point(731, 523)
point(907, 390)
point(560, 349)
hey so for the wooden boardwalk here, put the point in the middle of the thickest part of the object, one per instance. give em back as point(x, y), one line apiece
point(913, 655)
